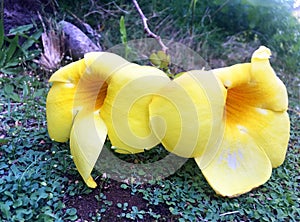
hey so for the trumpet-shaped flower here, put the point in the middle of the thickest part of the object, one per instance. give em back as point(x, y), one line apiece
point(232, 120)
point(102, 93)
point(256, 127)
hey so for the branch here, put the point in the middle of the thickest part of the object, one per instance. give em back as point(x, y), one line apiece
point(146, 27)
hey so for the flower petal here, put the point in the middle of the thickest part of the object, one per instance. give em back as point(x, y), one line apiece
point(270, 130)
point(88, 135)
point(272, 134)
point(125, 109)
point(239, 166)
point(258, 79)
point(187, 115)
point(270, 91)
point(79, 85)
point(70, 73)
point(257, 100)
point(60, 100)
point(103, 64)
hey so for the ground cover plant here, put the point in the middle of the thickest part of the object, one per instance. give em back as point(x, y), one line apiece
point(39, 182)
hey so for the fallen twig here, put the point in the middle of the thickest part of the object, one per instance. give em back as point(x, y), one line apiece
point(146, 27)
point(228, 213)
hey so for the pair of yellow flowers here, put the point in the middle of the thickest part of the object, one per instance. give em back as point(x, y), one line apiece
point(231, 120)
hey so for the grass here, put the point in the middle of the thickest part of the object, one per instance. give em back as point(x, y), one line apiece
point(39, 181)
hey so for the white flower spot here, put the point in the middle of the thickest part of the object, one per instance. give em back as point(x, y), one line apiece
point(232, 160)
point(262, 111)
point(242, 129)
point(69, 85)
point(227, 83)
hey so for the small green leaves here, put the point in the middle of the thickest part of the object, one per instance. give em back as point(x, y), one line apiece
point(12, 53)
point(123, 30)
point(160, 59)
point(124, 36)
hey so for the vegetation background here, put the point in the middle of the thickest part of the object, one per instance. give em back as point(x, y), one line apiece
point(38, 180)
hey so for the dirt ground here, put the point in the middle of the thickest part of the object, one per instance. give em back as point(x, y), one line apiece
point(87, 205)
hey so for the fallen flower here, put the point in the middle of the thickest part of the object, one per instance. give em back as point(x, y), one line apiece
point(256, 127)
point(99, 95)
point(232, 120)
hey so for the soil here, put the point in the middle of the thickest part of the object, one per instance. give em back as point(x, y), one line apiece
point(87, 205)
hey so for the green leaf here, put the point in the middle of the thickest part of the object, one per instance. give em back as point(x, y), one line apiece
point(2, 142)
point(15, 97)
point(124, 186)
point(71, 211)
point(13, 43)
point(3, 56)
point(45, 217)
point(5, 209)
point(8, 89)
point(26, 89)
point(11, 70)
point(7, 193)
point(20, 29)
point(123, 30)
point(17, 203)
point(1, 33)
point(31, 40)
point(140, 216)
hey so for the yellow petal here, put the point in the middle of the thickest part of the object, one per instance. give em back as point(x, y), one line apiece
point(270, 92)
point(187, 115)
point(270, 130)
point(60, 100)
point(239, 166)
point(125, 109)
point(77, 86)
point(235, 75)
point(70, 73)
point(103, 64)
point(59, 110)
point(257, 81)
point(90, 93)
point(257, 100)
point(92, 86)
point(256, 127)
point(86, 141)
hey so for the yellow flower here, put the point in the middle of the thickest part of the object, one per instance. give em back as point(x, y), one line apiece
point(232, 120)
point(256, 127)
point(102, 93)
